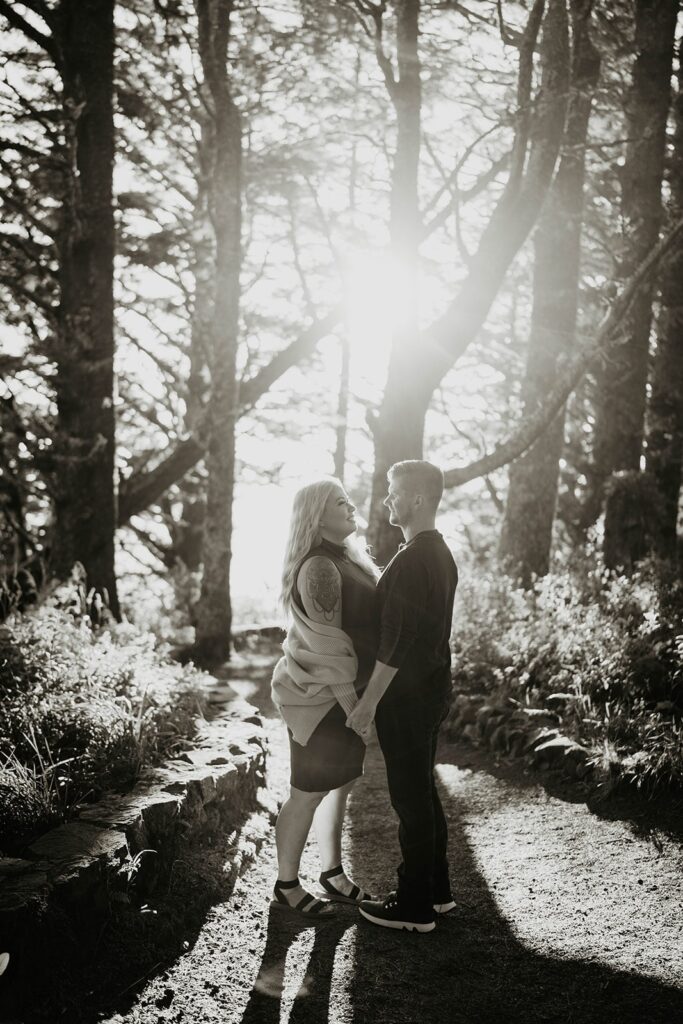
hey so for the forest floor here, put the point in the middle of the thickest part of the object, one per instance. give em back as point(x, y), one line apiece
point(566, 913)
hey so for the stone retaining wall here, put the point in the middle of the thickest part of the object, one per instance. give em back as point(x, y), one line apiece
point(121, 849)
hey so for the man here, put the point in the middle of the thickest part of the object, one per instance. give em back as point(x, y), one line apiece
point(408, 694)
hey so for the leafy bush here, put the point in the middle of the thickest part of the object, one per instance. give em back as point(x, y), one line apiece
point(607, 649)
point(83, 711)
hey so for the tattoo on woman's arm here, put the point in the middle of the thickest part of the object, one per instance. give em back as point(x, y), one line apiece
point(323, 586)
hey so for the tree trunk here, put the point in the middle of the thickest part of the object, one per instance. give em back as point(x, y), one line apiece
point(620, 413)
point(188, 534)
point(665, 410)
point(399, 427)
point(214, 614)
point(342, 425)
point(84, 490)
point(418, 363)
point(527, 526)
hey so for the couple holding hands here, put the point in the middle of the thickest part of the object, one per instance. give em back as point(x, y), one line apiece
point(365, 647)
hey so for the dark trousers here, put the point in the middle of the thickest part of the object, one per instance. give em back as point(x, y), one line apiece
point(409, 746)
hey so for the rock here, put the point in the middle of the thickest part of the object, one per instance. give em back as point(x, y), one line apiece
point(10, 867)
point(146, 815)
point(562, 752)
point(78, 848)
point(538, 736)
point(23, 891)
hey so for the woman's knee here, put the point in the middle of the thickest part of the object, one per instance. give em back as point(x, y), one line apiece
point(301, 798)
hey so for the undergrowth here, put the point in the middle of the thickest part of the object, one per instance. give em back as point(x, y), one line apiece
point(604, 650)
point(82, 711)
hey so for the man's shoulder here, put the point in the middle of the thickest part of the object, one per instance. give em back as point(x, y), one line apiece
point(406, 560)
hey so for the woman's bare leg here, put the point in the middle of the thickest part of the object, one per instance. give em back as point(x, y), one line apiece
point(291, 832)
point(329, 822)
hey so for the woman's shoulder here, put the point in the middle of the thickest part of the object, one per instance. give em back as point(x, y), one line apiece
point(319, 565)
point(318, 556)
point(319, 583)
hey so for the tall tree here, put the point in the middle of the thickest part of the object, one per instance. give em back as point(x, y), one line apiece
point(79, 39)
point(224, 194)
point(665, 408)
point(85, 498)
point(530, 509)
point(418, 364)
point(620, 418)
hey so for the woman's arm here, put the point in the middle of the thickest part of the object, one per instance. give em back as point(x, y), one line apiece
point(320, 587)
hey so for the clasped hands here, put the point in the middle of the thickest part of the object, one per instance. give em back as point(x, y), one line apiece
point(361, 719)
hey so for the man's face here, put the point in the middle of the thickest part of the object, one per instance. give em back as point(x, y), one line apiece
point(401, 503)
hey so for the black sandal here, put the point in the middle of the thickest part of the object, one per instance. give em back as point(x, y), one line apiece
point(334, 894)
point(308, 906)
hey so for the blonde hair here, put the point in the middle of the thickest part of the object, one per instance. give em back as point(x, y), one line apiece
point(304, 534)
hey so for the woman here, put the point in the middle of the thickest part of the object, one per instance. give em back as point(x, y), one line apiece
point(328, 590)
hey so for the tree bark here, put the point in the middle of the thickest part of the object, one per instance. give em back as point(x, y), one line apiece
point(532, 495)
point(342, 425)
point(84, 489)
point(620, 412)
point(416, 370)
point(665, 410)
point(214, 612)
point(187, 535)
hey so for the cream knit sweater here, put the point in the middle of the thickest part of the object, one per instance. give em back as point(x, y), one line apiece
point(319, 667)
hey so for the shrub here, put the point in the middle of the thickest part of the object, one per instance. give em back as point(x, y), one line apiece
point(83, 711)
point(613, 644)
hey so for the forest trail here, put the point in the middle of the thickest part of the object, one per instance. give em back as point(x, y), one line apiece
point(562, 916)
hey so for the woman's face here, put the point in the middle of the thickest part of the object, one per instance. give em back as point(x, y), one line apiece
point(338, 519)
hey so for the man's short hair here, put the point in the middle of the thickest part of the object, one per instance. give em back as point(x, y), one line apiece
point(423, 477)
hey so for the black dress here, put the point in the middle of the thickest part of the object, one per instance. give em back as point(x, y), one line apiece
point(334, 753)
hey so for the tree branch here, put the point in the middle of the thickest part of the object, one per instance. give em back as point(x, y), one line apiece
point(142, 489)
point(606, 339)
point(376, 12)
point(18, 21)
point(515, 213)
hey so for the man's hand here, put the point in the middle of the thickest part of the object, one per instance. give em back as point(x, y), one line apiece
point(361, 719)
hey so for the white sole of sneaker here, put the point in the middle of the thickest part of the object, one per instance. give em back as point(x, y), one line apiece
point(445, 908)
point(404, 926)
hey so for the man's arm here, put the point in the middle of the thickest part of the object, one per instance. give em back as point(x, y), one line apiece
point(406, 593)
point(362, 716)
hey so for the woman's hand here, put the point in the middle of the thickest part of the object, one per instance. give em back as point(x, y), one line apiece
point(361, 719)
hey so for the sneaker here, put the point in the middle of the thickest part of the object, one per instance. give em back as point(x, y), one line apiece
point(388, 913)
point(445, 907)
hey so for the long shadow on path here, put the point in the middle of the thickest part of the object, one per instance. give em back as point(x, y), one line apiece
point(313, 998)
point(473, 968)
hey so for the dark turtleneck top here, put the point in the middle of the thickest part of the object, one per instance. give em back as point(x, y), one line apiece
point(358, 605)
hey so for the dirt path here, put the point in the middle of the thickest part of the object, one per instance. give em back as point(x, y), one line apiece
point(562, 916)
